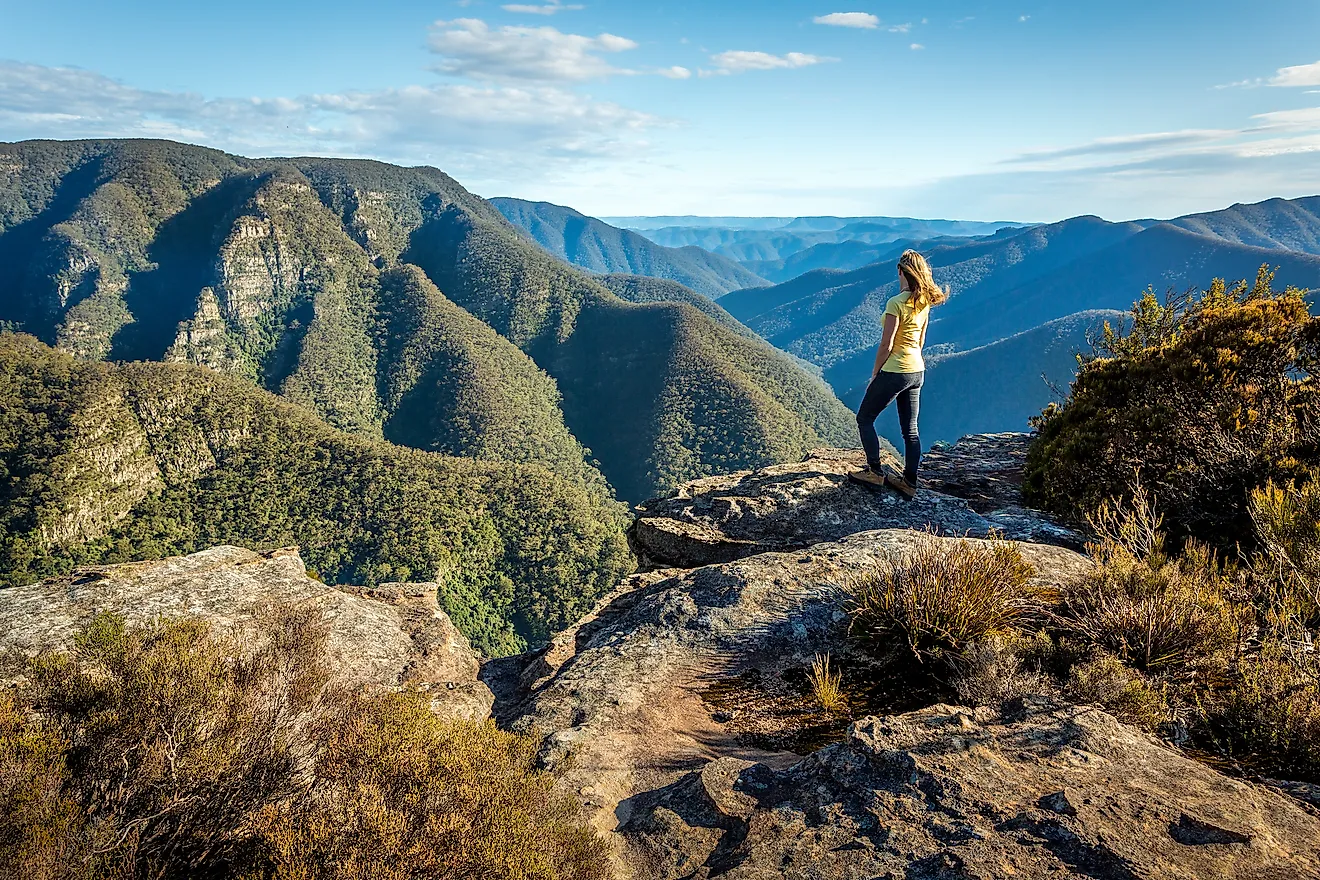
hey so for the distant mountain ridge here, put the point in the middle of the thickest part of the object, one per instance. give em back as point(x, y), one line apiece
point(1041, 280)
point(600, 248)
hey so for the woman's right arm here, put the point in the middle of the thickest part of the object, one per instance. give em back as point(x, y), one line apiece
point(886, 344)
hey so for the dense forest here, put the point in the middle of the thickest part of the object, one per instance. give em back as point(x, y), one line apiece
point(106, 463)
point(393, 304)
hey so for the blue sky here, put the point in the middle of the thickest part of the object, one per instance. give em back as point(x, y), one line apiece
point(1026, 110)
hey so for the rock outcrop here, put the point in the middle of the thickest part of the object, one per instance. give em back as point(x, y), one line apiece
point(678, 712)
point(947, 793)
point(972, 490)
point(391, 635)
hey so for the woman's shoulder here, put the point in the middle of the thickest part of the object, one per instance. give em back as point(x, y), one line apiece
point(899, 302)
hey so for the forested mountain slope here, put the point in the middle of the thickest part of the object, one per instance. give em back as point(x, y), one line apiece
point(598, 247)
point(108, 462)
point(390, 301)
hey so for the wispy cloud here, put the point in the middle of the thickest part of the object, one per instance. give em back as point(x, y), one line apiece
point(740, 61)
point(675, 72)
point(1299, 75)
point(541, 9)
point(480, 129)
point(863, 20)
point(470, 48)
point(1124, 144)
point(916, 47)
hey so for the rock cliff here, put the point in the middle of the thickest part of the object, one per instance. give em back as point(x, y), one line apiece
point(676, 710)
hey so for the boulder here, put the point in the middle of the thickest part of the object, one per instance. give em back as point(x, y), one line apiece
point(946, 792)
point(393, 635)
point(971, 488)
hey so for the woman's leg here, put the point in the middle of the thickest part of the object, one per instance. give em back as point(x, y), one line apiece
point(909, 407)
point(879, 394)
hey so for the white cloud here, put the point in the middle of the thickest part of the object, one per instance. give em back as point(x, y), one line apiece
point(1299, 75)
point(900, 28)
point(471, 48)
point(1305, 118)
point(739, 61)
point(544, 9)
point(476, 130)
point(1024, 18)
point(675, 72)
point(849, 20)
point(916, 47)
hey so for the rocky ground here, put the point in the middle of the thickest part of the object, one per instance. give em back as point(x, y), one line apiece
point(677, 712)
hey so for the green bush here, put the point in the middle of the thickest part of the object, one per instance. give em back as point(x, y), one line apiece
point(170, 751)
point(941, 597)
point(1202, 400)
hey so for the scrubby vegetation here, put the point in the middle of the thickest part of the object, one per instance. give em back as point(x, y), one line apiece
point(940, 599)
point(1205, 398)
point(1217, 655)
point(102, 463)
point(173, 751)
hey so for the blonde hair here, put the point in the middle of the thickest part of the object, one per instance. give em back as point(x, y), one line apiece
point(921, 283)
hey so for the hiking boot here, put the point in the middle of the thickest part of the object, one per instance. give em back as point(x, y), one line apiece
point(899, 483)
point(870, 476)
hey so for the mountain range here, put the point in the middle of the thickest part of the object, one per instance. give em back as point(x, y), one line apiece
point(1017, 288)
point(363, 359)
point(394, 304)
point(600, 248)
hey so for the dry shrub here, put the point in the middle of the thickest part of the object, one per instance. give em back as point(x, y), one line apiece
point(176, 735)
point(1140, 603)
point(41, 832)
point(170, 751)
point(400, 793)
point(1287, 522)
point(1269, 717)
point(941, 597)
point(827, 685)
point(1104, 681)
point(1001, 668)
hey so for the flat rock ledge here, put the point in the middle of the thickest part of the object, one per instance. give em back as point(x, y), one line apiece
point(394, 635)
point(971, 488)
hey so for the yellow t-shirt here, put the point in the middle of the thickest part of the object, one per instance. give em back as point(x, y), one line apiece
point(906, 356)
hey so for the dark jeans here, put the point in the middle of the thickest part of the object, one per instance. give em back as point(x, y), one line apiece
point(884, 389)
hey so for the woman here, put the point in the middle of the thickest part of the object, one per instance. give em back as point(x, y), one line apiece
point(898, 373)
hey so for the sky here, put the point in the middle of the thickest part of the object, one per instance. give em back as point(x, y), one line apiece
point(1025, 110)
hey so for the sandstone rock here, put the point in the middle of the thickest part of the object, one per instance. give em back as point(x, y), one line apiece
point(971, 488)
point(391, 635)
point(922, 796)
point(618, 698)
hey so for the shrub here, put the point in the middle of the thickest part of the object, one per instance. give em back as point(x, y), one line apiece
point(941, 597)
point(170, 751)
point(1203, 399)
point(1287, 524)
point(1104, 681)
point(175, 735)
point(1000, 668)
point(41, 830)
point(1153, 611)
point(827, 685)
point(400, 793)
point(1268, 718)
